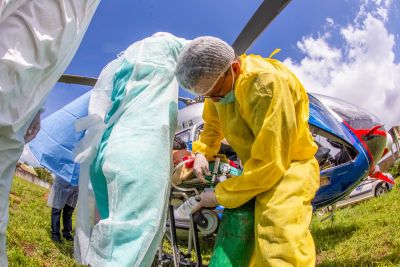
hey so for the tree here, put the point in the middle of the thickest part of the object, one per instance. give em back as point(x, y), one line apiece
point(44, 174)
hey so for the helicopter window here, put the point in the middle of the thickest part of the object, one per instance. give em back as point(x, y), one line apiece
point(331, 150)
point(319, 108)
point(187, 124)
point(376, 144)
point(184, 135)
point(356, 117)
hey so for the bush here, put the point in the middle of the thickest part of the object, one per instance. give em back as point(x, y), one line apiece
point(395, 170)
point(44, 174)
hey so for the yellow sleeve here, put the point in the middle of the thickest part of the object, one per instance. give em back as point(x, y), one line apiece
point(210, 138)
point(269, 111)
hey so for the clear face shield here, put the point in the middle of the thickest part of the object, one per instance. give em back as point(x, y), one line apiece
point(223, 74)
point(220, 97)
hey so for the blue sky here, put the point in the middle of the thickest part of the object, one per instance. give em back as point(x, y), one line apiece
point(307, 31)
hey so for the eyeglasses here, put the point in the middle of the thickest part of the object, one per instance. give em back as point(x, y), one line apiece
point(219, 96)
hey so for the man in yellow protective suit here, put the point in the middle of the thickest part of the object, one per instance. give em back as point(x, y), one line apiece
point(261, 108)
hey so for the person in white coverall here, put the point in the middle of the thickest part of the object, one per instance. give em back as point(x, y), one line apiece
point(39, 39)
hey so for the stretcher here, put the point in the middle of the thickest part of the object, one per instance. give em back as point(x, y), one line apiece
point(185, 187)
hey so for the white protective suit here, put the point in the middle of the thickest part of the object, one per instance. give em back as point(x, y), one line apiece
point(127, 149)
point(39, 39)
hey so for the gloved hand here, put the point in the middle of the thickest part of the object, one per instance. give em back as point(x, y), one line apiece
point(205, 200)
point(33, 129)
point(200, 167)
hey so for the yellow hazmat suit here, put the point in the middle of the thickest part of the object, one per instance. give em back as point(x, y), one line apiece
point(267, 126)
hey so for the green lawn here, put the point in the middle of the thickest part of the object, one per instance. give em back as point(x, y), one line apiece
point(28, 236)
point(363, 235)
point(366, 234)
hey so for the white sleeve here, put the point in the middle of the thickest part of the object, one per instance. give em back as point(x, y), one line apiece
point(39, 40)
point(8, 7)
point(100, 102)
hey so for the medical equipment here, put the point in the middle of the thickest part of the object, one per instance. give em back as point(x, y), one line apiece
point(205, 222)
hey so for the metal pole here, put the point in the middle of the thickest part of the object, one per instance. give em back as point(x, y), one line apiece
point(172, 228)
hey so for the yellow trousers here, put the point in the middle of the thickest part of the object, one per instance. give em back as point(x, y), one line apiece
point(282, 218)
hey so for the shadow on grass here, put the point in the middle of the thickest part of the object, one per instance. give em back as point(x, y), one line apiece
point(65, 247)
point(327, 238)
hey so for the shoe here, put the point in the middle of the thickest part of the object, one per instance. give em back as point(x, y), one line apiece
point(56, 239)
point(68, 237)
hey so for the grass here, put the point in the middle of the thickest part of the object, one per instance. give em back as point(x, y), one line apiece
point(366, 234)
point(28, 235)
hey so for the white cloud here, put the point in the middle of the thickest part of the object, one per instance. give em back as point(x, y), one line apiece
point(363, 71)
point(330, 21)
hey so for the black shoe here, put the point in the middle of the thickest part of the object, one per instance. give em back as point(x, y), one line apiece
point(68, 237)
point(56, 239)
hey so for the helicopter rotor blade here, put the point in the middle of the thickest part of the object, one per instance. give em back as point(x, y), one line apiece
point(264, 15)
point(76, 79)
